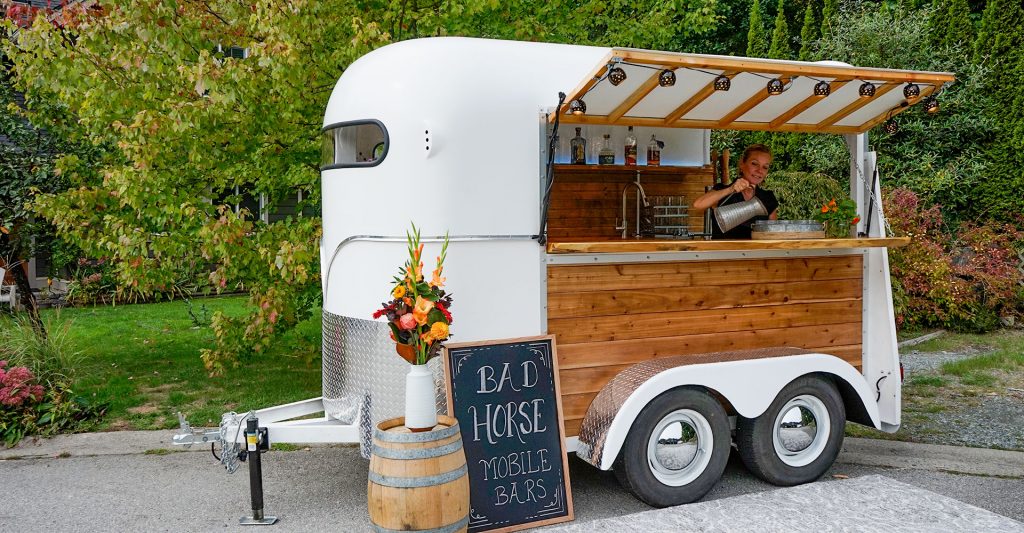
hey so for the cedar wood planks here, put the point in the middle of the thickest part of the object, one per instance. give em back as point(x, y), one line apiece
point(607, 317)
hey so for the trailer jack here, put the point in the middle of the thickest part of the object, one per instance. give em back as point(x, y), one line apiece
point(256, 442)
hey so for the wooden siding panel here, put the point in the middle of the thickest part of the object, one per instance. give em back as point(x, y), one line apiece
point(677, 323)
point(638, 301)
point(616, 277)
point(607, 317)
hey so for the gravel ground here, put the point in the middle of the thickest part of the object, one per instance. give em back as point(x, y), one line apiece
point(920, 362)
point(956, 415)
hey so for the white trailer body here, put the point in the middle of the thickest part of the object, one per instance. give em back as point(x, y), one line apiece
point(453, 135)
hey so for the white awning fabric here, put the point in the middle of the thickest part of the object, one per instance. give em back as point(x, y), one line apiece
point(693, 102)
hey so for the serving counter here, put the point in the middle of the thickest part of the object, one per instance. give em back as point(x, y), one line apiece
point(619, 246)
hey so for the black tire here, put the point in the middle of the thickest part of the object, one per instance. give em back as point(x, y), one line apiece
point(785, 457)
point(658, 481)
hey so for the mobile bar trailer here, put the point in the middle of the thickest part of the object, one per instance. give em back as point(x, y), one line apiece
point(671, 348)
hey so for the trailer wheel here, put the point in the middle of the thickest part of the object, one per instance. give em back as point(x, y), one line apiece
point(676, 449)
point(798, 438)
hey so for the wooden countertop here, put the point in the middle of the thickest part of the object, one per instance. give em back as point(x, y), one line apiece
point(669, 245)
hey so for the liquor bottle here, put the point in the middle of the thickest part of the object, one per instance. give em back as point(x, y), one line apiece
point(630, 150)
point(653, 152)
point(606, 156)
point(578, 149)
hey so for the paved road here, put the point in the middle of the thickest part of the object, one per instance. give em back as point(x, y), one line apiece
point(105, 482)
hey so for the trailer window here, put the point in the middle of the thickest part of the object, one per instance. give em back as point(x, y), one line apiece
point(361, 143)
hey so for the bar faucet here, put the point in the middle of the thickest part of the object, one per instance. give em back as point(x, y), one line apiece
point(641, 202)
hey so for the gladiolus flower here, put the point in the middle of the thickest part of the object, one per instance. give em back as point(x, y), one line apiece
point(399, 291)
point(824, 209)
point(423, 306)
point(436, 280)
point(407, 321)
point(832, 203)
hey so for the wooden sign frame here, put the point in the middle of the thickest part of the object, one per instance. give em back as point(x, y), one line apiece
point(449, 392)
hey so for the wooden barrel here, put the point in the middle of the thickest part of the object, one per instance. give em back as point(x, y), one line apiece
point(418, 481)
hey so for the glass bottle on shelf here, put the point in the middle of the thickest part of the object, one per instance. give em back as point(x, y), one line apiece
point(578, 149)
point(653, 152)
point(606, 155)
point(630, 147)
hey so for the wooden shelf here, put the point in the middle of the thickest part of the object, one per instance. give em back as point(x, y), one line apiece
point(644, 169)
point(661, 245)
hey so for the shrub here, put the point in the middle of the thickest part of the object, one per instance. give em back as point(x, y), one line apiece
point(36, 390)
point(801, 194)
point(965, 283)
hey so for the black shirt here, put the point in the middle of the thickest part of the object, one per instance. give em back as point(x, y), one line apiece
point(743, 230)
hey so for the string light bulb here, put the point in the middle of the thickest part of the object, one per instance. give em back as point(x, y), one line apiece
point(722, 83)
point(867, 90)
point(931, 105)
point(578, 107)
point(822, 88)
point(775, 87)
point(616, 75)
point(667, 78)
point(891, 127)
point(911, 90)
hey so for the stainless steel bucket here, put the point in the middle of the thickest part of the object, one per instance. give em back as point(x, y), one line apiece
point(787, 229)
point(732, 215)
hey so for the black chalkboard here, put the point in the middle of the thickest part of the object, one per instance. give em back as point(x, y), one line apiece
point(505, 396)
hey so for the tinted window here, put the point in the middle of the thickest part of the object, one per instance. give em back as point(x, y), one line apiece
point(354, 144)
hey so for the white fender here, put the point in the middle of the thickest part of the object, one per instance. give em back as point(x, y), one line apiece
point(750, 385)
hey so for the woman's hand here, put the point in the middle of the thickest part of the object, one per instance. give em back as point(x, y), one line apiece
point(740, 185)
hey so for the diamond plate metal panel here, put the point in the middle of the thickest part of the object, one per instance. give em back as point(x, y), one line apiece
point(602, 411)
point(363, 377)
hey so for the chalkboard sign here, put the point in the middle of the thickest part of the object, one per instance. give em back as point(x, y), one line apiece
point(505, 396)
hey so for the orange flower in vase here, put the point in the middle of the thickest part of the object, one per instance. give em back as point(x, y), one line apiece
point(419, 321)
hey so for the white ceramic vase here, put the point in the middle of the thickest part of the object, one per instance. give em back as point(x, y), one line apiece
point(420, 409)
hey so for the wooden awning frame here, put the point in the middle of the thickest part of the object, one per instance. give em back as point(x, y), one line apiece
point(838, 75)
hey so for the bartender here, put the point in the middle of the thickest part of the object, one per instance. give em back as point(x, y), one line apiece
point(753, 168)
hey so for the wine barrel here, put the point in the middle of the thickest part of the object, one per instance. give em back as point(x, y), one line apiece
point(418, 481)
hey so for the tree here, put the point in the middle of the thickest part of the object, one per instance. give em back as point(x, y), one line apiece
point(961, 29)
point(999, 45)
point(829, 14)
point(757, 38)
point(809, 32)
point(950, 23)
point(28, 156)
point(941, 157)
point(780, 48)
point(191, 124)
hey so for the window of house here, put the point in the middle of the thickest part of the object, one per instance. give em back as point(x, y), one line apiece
point(362, 143)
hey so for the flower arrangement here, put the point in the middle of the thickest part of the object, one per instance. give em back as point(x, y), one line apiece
point(418, 313)
point(838, 216)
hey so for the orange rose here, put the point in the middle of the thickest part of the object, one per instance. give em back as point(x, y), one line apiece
point(423, 306)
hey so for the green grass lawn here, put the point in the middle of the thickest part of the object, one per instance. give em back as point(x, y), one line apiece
point(144, 361)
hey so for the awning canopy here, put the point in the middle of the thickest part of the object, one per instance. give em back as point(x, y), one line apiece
point(693, 102)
